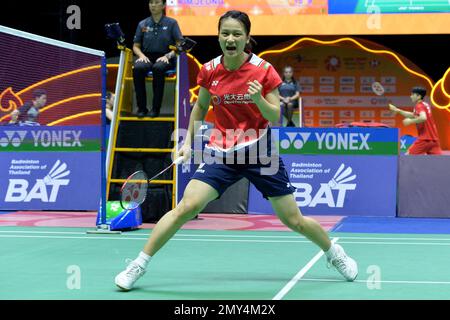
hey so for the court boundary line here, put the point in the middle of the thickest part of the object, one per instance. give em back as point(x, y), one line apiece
point(94, 237)
point(377, 281)
point(285, 290)
point(230, 236)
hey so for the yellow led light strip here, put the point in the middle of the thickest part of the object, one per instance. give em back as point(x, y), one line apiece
point(359, 45)
point(85, 96)
point(57, 77)
point(195, 60)
point(75, 116)
point(194, 96)
point(447, 107)
point(444, 78)
point(192, 90)
point(11, 103)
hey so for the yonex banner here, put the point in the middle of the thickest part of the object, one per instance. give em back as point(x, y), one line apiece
point(338, 185)
point(349, 141)
point(45, 138)
point(406, 141)
point(50, 180)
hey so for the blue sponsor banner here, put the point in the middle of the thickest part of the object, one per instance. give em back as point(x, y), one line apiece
point(406, 141)
point(46, 138)
point(348, 141)
point(338, 185)
point(50, 181)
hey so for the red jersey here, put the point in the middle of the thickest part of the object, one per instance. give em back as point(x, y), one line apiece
point(427, 130)
point(232, 105)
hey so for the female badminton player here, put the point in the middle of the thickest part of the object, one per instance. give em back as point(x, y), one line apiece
point(244, 91)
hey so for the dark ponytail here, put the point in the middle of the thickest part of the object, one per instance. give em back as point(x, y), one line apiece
point(250, 45)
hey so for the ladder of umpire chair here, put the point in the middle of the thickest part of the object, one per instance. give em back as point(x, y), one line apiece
point(123, 112)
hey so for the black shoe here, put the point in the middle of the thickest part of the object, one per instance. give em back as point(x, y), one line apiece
point(291, 124)
point(141, 114)
point(154, 113)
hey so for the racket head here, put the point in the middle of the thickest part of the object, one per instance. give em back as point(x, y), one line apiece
point(378, 88)
point(134, 190)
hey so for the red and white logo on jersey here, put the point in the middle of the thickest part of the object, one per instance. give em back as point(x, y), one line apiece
point(216, 100)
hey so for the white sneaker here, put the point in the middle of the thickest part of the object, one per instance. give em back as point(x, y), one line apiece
point(344, 264)
point(126, 279)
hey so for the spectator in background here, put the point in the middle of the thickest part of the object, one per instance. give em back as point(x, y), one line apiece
point(14, 118)
point(109, 113)
point(289, 94)
point(109, 107)
point(29, 111)
point(428, 140)
point(153, 37)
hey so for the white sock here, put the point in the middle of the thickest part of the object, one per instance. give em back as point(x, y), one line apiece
point(331, 252)
point(143, 259)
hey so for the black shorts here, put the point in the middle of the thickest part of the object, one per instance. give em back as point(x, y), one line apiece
point(294, 104)
point(271, 180)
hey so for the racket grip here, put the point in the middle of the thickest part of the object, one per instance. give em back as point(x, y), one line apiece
point(178, 160)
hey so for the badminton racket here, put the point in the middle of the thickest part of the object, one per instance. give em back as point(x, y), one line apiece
point(134, 190)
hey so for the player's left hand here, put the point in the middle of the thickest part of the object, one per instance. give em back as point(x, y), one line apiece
point(163, 59)
point(393, 108)
point(254, 90)
point(407, 121)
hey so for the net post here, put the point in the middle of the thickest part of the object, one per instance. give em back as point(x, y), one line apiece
point(102, 226)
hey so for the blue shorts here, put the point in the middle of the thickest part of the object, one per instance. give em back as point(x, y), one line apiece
point(221, 175)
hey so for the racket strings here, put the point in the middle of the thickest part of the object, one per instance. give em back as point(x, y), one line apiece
point(134, 191)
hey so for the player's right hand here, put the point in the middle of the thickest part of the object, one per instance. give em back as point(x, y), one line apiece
point(143, 59)
point(185, 152)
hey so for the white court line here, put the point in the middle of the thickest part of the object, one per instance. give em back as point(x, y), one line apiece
point(393, 238)
point(40, 232)
point(136, 238)
point(380, 281)
point(226, 240)
point(301, 237)
point(232, 236)
point(398, 243)
point(61, 237)
point(300, 274)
